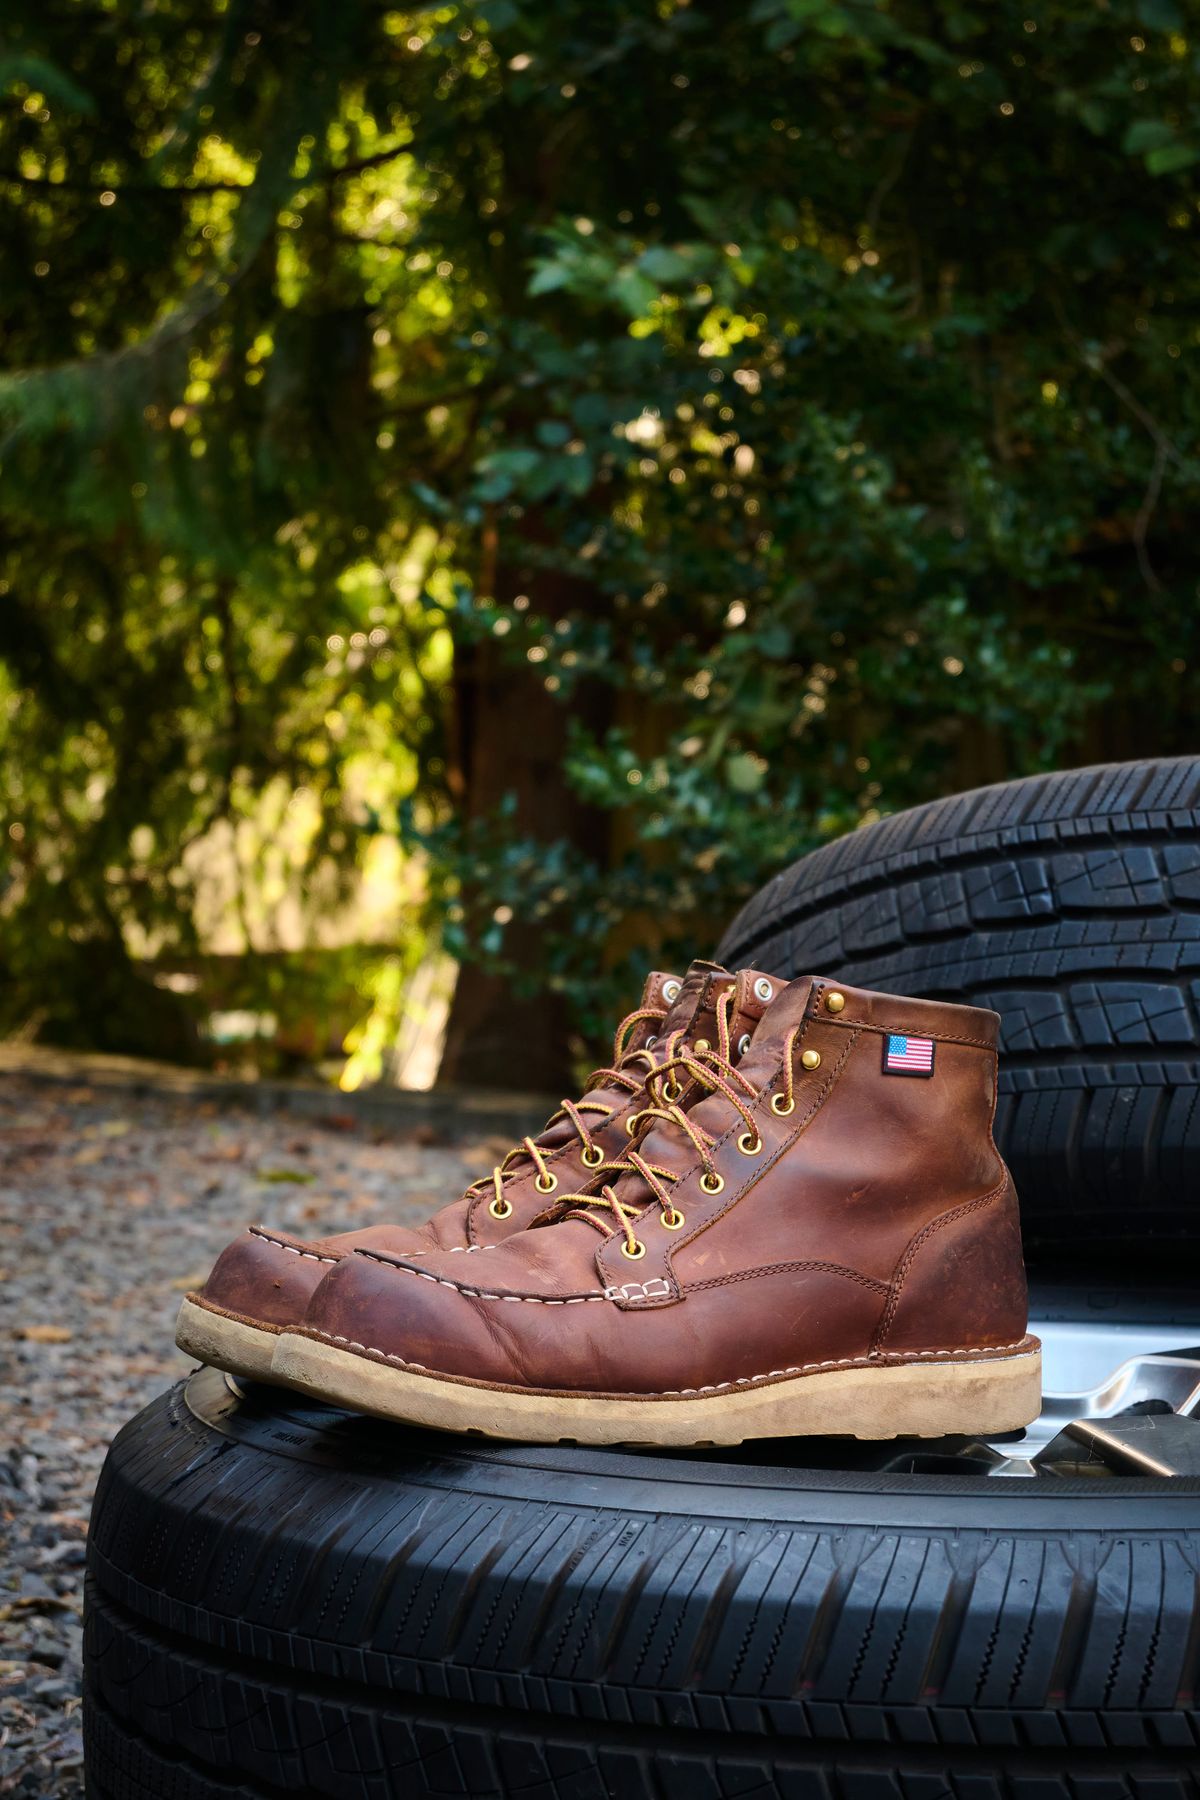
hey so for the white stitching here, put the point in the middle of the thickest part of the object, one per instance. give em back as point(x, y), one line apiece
point(436, 1249)
point(291, 1248)
point(314, 1256)
point(478, 1293)
point(657, 1288)
point(848, 1362)
point(841, 1362)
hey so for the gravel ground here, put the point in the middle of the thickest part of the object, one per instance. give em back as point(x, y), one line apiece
point(110, 1207)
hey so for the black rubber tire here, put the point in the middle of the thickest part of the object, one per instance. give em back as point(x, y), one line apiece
point(287, 1600)
point(1071, 904)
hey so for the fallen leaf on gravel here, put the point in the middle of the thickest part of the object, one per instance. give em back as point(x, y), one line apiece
point(276, 1175)
point(114, 1128)
point(188, 1283)
point(89, 1154)
point(45, 1334)
point(338, 1122)
point(36, 1603)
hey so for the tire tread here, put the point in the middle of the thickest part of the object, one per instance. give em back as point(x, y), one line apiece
point(1069, 903)
point(269, 1631)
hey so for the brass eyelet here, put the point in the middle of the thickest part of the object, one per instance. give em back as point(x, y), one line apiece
point(781, 1106)
point(546, 1184)
point(701, 1044)
point(593, 1162)
point(500, 1209)
point(631, 1123)
point(749, 1146)
point(811, 1059)
point(712, 1184)
point(673, 1221)
point(637, 1253)
point(672, 1091)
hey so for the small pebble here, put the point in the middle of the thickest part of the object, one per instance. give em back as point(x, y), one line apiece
point(111, 1205)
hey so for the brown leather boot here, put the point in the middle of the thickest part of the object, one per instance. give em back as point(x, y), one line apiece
point(826, 1242)
point(264, 1280)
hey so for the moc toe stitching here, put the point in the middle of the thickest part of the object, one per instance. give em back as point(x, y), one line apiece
point(261, 1279)
point(296, 1247)
point(462, 1287)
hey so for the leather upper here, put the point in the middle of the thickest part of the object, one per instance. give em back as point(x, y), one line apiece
point(875, 1219)
point(267, 1277)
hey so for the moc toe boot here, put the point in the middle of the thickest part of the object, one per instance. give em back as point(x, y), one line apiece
point(826, 1242)
point(263, 1281)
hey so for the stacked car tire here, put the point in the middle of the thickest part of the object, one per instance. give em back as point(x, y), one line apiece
point(1071, 904)
point(284, 1599)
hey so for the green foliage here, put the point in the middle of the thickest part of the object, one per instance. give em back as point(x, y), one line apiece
point(825, 372)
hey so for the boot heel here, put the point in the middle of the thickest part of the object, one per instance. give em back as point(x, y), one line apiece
point(934, 1396)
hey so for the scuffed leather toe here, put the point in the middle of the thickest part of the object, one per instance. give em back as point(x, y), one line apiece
point(266, 1277)
point(389, 1310)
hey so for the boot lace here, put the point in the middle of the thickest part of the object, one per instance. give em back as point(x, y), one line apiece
point(712, 1070)
point(629, 1071)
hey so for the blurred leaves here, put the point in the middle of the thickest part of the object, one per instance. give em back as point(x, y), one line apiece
point(804, 395)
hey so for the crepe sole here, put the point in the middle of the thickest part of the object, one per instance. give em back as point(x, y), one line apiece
point(980, 1395)
point(225, 1341)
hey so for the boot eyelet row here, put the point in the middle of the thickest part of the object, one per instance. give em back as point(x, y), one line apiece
point(748, 1145)
point(593, 1156)
point(546, 1184)
point(637, 1253)
point(500, 1209)
point(712, 1184)
point(674, 1220)
point(781, 1106)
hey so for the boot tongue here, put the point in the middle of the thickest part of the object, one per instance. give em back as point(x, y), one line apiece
point(764, 1011)
point(686, 998)
point(660, 991)
point(694, 1008)
point(785, 1010)
point(680, 996)
point(667, 1144)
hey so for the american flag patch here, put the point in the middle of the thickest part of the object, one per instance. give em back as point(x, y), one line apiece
point(907, 1055)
